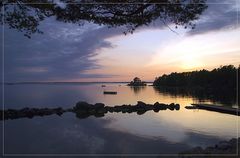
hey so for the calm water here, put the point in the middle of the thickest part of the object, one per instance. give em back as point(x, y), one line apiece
point(165, 132)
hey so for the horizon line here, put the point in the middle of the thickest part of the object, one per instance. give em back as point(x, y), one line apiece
point(31, 82)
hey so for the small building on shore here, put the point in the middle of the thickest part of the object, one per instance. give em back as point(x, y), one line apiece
point(137, 82)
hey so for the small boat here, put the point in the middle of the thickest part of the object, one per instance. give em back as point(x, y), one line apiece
point(109, 92)
point(103, 85)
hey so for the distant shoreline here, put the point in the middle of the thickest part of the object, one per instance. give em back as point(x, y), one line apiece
point(14, 83)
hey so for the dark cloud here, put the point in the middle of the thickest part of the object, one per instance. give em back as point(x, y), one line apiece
point(219, 15)
point(62, 52)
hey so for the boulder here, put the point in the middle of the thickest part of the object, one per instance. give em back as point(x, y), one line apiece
point(140, 112)
point(98, 106)
point(171, 106)
point(82, 106)
point(141, 104)
point(223, 145)
point(177, 106)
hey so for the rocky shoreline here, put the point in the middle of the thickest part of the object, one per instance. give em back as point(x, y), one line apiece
point(222, 149)
point(84, 110)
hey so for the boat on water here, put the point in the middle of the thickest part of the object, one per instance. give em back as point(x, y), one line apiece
point(110, 92)
point(103, 85)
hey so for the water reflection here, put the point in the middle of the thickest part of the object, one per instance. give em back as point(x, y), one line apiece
point(163, 132)
point(226, 97)
point(72, 136)
point(137, 89)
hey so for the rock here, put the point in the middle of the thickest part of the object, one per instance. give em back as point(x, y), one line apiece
point(59, 111)
point(116, 108)
point(99, 115)
point(171, 106)
point(82, 106)
point(156, 104)
point(177, 106)
point(140, 112)
point(99, 105)
point(92, 111)
point(82, 115)
point(233, 141)
point(162, 106)
point(102, 110)
point(156, 110)
point(83, 110)
point(109, 109)
point(141, 104)
point(223, 145)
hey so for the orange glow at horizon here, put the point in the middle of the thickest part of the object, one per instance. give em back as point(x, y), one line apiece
point(152, 53)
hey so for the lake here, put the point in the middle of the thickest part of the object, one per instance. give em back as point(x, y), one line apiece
point(165, 132)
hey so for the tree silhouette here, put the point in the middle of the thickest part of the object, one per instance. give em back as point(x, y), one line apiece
point(26, 15)
point(218, 84)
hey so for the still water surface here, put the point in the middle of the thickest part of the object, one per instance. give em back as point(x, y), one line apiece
point(165, 132)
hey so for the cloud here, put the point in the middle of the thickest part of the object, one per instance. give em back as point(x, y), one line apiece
point(63, 52)
point(218, 16)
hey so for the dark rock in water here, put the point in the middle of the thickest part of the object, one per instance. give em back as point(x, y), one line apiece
point(99, 114)
point(83, 110)
point(109, 109)
point(101, 110)
point(82, 106)
point(82, 115)
point(149, 107)
point(59, 111)
point(156, 104)
point(140, 112)
point(177, 106)
point(163, 106)
point(92, 111)
point(171, 106)
point(98, 106)
point(141, 104)
point(156, 110)
point(117, 108)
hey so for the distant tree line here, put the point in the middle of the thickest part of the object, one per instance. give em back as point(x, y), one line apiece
point(217, 85)
point(224, 76)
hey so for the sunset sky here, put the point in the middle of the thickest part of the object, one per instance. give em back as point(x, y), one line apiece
point(68, 52)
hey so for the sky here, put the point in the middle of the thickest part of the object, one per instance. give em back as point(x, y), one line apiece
point(92, 53)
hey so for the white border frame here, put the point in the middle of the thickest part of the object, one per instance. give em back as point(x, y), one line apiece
point(106, 155)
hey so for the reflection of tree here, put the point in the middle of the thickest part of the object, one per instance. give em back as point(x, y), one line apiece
point(217, 85)
point(224, 96)
point(25, 17)
point(137, 89)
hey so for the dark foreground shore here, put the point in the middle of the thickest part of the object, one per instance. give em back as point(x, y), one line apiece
point(227, 149)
